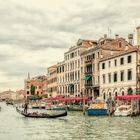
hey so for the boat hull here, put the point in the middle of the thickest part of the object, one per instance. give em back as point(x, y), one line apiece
point(42, 115)
point(96, 112)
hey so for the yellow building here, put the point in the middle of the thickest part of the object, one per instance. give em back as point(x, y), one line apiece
point(52, 81)
point(138, 35)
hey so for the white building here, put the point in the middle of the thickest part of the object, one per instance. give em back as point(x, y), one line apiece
point(118, 75)
point(72, 71)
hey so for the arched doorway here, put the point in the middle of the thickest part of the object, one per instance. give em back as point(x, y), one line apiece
point(130, 91)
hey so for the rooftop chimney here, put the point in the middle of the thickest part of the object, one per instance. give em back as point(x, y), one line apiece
point(130, 39)
point(105, 36)
point(117, 36)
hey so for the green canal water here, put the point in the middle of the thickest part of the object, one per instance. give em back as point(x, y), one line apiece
point(75, 126)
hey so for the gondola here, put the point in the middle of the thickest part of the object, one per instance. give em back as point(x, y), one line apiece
point(42, 115)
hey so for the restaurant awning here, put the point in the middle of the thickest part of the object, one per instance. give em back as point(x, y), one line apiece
point(87, 77)
point(128, 97)
point(67, 99)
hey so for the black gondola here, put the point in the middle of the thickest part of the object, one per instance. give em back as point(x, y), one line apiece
point(42, 115)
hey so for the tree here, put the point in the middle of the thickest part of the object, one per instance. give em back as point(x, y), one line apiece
point(32, 90)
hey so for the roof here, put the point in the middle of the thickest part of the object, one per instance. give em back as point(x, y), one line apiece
point(114, 44)
point(87, 43)
point(119, 54)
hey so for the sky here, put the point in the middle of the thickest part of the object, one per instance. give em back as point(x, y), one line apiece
point(34, 34)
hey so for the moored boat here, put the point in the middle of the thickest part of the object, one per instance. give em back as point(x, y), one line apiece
point(123, 110)
point(42, 115)
point(97, 108)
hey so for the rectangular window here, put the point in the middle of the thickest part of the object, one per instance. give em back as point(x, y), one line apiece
point(129, 59)
point(109, 64)
point(103, 78)
point(122, 76)
point(103, 65)
point(98, 55)
point(115, 77)
point(115, 62)
point(129, 74)
point(93, 55)
point(109, 78)
point(122, 61)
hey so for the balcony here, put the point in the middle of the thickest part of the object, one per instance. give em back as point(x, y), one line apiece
point(88, 84)
point(88, 72)
point(88, 61)
point(138, 75)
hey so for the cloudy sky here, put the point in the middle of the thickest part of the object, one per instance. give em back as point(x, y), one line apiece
point(34, 34)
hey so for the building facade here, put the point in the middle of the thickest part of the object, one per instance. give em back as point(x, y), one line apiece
point(52, 81)
point(90, 83)
point(61, 78)
point(118, 74)
point(39, 83)
point(138, 35)
point(72, 71)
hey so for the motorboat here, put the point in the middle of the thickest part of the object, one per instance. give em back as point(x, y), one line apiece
point(123, 110)
point(97, 108)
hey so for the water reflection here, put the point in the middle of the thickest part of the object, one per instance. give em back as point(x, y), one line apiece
point(75, 126)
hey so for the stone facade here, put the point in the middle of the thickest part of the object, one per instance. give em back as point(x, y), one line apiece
point(118, 74)
point(61, 78)
point(39, 82)
point(138, 35)
point(72, 71)
point(52, 81)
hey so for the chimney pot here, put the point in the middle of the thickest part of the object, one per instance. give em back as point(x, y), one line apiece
point(130, 38)
point(105, 35)
point(117, 36)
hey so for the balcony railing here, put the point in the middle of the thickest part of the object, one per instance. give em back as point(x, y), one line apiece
point(88, 72)
point(88, 61)
point(88, 84)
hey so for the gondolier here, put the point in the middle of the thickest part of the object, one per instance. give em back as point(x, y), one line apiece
point(26, 106)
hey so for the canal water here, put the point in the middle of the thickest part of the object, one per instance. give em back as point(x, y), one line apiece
point(75, 126)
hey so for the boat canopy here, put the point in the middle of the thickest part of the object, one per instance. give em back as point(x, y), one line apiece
point(128, 97)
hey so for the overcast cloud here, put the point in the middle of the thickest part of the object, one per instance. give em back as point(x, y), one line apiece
point(34, 34)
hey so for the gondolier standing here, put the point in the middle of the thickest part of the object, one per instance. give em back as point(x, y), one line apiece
point(26, 106)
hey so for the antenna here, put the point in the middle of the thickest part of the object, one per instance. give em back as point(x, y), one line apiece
point(109, 32)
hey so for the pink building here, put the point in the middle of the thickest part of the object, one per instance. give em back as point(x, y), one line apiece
point(39, 84)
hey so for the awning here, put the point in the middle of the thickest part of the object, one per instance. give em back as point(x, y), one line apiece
point(34, 97)
point(128, 97)
point(87, 77)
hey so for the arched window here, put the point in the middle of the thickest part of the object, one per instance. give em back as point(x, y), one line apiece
point(109, 94)
point(120, 44)
point(104, 95)
point(130, 91)
point(115, 94)
point(122, 93)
